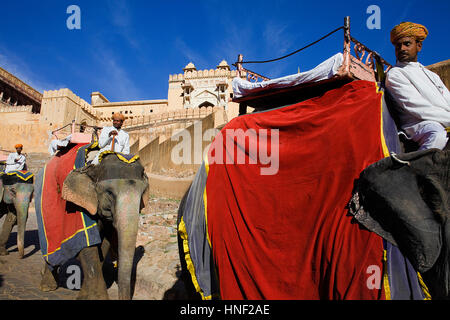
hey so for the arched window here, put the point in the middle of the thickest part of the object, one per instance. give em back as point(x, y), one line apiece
point(206, 104)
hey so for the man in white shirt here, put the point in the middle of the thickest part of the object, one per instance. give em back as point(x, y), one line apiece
point(56, 144)
point(422, 99)
point(114, 135)
point(16, 160)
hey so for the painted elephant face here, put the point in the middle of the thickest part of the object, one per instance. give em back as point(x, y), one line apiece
point(98, 188)
point(17, 192)
point(405, 199)
point(12, 189)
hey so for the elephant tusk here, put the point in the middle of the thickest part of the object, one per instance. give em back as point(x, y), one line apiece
point(394, 156)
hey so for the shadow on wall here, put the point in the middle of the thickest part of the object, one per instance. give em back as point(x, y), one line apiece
point(1, 280)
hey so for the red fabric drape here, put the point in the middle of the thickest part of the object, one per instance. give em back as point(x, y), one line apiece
point(61, 221)
point(288, 235)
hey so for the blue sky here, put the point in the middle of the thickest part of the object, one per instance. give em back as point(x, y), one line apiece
point(127, 49)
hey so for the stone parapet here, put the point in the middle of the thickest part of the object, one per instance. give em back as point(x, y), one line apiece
point(19, 85)
point(198, 74)
point(7, 108)
point(171, 116)
point(67, 93)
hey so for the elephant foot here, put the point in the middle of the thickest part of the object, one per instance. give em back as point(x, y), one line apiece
point(48, 282)
point(84, 295)
point(47, 287)
point(93, 286)
point(93, 291)
point(3, 251)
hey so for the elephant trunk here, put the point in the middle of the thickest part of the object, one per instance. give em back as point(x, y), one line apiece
point(126, 221)
point(21, 204)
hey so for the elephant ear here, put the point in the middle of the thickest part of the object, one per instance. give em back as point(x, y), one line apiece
point(145, 195)
point(79, 188)
point(434, 196)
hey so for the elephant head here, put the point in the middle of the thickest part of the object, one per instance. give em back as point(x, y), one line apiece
point(17, 195)
point(113, 190)
point(405, 199)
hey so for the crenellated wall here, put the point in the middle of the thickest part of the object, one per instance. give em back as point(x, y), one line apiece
point(105, 110)
point(198, 88)
point(60, 107)
point(207, 73)
point(157, 155)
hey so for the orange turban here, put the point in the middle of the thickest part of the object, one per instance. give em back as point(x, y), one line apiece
point(409, 29)
point(118, 116)
point(18, 146)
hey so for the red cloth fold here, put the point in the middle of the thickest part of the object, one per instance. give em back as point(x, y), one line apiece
point(62, 220)
point(288, 235)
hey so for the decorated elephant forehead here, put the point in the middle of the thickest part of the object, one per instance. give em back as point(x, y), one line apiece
point(122, 186)
point(13, 177)
point(22, 189)
point(126, 158)
point(111, 167)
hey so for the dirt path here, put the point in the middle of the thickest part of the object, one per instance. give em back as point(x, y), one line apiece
point(157, 269)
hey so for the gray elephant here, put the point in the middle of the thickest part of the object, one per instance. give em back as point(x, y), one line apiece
point(112, 192)
point(405, 199)
point(15, 198)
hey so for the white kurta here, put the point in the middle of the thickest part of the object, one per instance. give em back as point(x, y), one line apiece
point(121, 144)
point(422, 99)
point(54, 144)
point(420, 94)
point(12, 165)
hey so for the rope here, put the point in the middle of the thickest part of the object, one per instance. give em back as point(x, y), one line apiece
point(296, 51)
point(84, 125)
point(56, 130)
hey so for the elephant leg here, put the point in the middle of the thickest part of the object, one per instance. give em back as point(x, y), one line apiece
point(93, 286)
point(49, 279)
point(105, 248)
point(109, 244)
point(8, 225)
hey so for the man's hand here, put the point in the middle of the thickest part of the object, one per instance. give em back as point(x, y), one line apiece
point(113, 133)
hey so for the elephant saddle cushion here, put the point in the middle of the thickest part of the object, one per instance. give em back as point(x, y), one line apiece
point(127, 158)
point(64, 229)
point(15, 176)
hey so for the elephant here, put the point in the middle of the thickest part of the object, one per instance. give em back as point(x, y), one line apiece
point(15, 197)
point(405, 199)
point(185, 276)
point(112, 192)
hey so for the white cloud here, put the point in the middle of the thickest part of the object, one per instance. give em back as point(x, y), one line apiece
point(191, 55)
point(21, 70)
point(277, 38)
point(115, 80)
point(121, 18)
